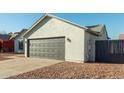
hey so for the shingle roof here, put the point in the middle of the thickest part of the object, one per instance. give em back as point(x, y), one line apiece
point(13, 35)
point(22, 32)
point(96, 28)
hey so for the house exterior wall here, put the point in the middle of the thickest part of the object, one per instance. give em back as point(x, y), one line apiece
point(89, 46)
point(16, 45)
point(74, 37)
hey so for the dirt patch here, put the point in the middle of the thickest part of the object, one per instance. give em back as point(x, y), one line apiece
point(7, 56)
point(2, 58)
point(67, 70)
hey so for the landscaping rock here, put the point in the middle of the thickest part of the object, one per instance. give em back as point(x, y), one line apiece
point(70, 70)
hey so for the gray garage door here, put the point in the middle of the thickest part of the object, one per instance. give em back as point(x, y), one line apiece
point(53, 48)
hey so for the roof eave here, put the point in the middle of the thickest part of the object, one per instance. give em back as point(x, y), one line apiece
point(34, 25)
point(52, 16)
point(20, 33)
point(92, 32)
point(70, 22)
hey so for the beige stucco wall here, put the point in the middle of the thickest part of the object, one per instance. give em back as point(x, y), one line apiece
point(90, 44)
point(74, 50)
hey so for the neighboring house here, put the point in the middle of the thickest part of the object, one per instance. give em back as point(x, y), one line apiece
point(13, 35)
point(121, 36)
point(19, 42)
point(6, 45)
point(56, 38)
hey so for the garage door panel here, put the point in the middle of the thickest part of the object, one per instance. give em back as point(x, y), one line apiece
point(47, 48)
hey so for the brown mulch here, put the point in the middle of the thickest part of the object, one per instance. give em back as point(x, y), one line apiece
point(69, 70)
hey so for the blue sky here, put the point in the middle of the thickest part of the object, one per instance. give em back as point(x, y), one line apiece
point(14, 22)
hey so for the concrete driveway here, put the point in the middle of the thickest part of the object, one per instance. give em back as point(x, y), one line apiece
point(16, 64)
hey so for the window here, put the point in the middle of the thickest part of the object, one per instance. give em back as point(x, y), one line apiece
point(21, 44)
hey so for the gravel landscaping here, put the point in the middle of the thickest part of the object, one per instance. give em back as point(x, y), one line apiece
point(70, 70)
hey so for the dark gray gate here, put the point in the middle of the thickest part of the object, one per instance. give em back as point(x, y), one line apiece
point(110, 51)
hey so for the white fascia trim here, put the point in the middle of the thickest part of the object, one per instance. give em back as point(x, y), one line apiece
point(52, 16)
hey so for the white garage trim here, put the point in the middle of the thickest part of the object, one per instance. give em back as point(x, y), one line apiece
point(53, 48)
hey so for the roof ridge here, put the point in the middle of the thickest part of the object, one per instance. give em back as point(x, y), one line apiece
point(53, 16)
point(71, 22)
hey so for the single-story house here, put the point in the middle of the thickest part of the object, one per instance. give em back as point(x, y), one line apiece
point(19, 42)
point(6, 45)
point(56, 38)
point(13, 35)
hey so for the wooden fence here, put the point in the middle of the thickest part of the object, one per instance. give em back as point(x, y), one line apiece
point(110, 51)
